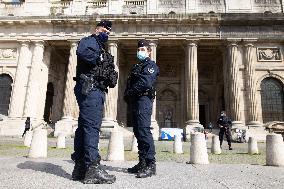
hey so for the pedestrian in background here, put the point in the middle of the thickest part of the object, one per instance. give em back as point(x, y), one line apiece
point(225, 124)
point(27, 125)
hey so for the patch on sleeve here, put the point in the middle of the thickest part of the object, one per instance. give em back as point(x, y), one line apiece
point(151, 70)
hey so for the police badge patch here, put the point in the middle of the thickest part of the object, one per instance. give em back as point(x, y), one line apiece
point(151, 70)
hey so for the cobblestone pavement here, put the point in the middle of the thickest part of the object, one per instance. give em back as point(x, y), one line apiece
point(232, 169)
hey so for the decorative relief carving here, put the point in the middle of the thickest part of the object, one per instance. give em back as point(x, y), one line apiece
point(271, 54)
point(168, 95)
point(8, 53)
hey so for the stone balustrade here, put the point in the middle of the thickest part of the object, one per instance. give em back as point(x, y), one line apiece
point(83, 7)
point(97, 4)
point(136, 3)
point(9, 8)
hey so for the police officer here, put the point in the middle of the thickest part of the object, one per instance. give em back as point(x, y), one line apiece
point(90, 98)
point(27, 125)
point(139, 94)
point(225, 123)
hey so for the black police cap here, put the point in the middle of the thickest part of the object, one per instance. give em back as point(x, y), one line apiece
point(106, 24)
point(143, 43)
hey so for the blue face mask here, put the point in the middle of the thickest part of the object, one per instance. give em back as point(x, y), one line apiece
point(103, 37)
point(141, 55)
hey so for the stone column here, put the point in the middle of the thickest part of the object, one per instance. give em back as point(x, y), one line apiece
point(226, 83)
point(110, 108)
point(191, 87)
point(253, 105)
point(31, 102)
point(43, 81)
point(70, 107)
point(154, 123)
point(21, 80)
point(234, 86)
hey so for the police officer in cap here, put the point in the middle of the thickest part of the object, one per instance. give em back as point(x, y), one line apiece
point(139, 94)
point(90, 99)
point(225, 123)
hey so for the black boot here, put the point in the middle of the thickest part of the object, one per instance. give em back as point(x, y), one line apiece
point(79, 170)
point(230, 148)
point(138, 167)
point(96, 175)
point(147, 171)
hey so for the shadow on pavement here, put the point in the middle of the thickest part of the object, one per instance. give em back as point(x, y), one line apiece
point(45, 167)
point(116, 169)
point(106, 167)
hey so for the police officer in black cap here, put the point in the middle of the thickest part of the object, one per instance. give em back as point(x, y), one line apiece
point(90, 97)
point(225, 124)
point(139, 94)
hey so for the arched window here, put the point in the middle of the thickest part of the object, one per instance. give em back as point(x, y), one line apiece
point(5, 93)
point(272, 100)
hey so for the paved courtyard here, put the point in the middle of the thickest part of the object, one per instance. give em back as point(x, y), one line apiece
point(233, 169)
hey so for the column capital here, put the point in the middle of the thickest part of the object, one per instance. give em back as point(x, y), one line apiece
point(73, 42)
point(153, 42)
point(113, 43)
point(24, 42)
point(39, 43)
point(192, 42)
point(233, 42)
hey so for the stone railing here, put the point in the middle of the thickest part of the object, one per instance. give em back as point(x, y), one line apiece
point(12, 3)
point(97, 4)
point(210, 2)
point(59, 7)
point(97, 7)
point(136, 3)
point(135, 7)
point(8, 8)
point(269, 2)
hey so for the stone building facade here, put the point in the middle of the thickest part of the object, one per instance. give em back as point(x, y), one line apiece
point(213, 55)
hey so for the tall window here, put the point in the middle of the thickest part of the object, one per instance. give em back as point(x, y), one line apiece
point(272, 100)
point(5, 93)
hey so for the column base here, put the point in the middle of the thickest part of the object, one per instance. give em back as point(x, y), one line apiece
point(238, 125)
point(192, 126)
point(254, 124)
point(66, 125)
point(155, 130)
point(108, 125)
point(258, 132)
point(16, 126)
point(12, 127)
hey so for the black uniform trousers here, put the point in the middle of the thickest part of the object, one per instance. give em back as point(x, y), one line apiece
point(228, 134)
point(89, 123)
point(141, 120)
